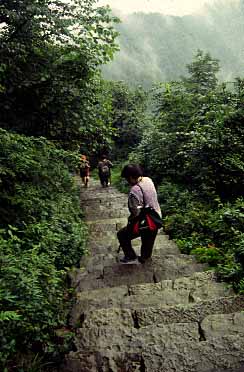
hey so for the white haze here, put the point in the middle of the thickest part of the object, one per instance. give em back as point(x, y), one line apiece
point(167, 7)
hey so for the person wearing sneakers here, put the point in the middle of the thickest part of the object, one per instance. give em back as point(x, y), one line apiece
point(142, 192)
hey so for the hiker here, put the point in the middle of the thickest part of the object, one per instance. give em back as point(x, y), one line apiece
point(142, 193)
point(84, 170)
point(104, 171)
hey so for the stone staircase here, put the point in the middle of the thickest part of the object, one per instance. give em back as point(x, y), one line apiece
point(167, 315)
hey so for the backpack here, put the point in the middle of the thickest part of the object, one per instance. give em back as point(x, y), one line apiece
point(105, 170)
point(83, 164)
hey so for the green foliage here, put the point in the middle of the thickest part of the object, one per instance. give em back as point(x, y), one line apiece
point(49, 59)
point(202, 73)
point(119, 182)
point(212, 231)
point(210, 255)
point(41, 235)
point(194, 150)
point(200, 140)
point(128, 117)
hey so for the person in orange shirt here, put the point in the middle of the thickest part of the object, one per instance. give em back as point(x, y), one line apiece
point(84, 170)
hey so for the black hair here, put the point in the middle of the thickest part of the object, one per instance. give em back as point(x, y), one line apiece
point(104, 156)
point(132, 170)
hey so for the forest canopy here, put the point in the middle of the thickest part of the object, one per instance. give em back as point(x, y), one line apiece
point(49, 78)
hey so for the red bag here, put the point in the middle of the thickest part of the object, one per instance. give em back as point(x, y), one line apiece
point(148, 219)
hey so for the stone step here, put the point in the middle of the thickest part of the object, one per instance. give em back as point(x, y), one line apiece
point(192, 312)
point(218, 355)
point(104, 196)
point(215, 343)
point(147, 299)
point(96, 200)
point(103, 252)
point(200, 286)
point(119, 337)
point(157, 269)
point(110, 244)
point(167, 315)
point(104, 237)
point(124, 339)
point(109, 224)
point(104, 212)
point(91, 315)
point(102, 260)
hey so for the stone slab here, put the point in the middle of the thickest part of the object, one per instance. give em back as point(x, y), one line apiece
point(218, 355)
point(159, 268)
point(113, 312)
point(112, 224)
point(125, 339)
point(219, 325)
point(87, 301)
point(195, 312)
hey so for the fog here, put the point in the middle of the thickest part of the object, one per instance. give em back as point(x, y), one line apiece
point(156, 47)
point(166, 7)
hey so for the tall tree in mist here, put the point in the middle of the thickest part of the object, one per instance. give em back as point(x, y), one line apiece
point(202, 73)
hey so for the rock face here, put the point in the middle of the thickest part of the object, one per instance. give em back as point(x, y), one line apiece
point(167, 315)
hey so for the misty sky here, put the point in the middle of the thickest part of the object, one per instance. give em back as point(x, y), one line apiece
point(171, 7)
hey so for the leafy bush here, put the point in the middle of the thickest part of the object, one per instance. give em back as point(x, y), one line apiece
point(213, 232)
point(41, 235)
point(119, 182)
point(210, 255)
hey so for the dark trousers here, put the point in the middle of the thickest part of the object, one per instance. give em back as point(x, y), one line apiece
point(104, 179)
point(147, 241)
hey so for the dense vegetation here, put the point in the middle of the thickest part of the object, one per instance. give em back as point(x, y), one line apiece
point(49, 82)
point(41, 235)
point(160, 53)
point(51, 101)
point(128, 117)
point(194, 151)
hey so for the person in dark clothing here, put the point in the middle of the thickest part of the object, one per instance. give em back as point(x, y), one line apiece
point(104, 170)
point(142, 191)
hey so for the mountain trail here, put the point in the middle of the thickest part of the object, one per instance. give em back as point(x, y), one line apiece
point(165, 316)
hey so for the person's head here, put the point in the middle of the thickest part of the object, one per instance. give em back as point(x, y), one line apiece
point(83, 157)
point(104, 157)
point(132, 172)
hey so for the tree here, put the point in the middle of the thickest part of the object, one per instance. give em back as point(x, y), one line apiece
point(49, 57)
point(128, 116)
point(202, 72)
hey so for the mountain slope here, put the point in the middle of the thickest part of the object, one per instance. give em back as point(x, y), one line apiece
point(155, 47)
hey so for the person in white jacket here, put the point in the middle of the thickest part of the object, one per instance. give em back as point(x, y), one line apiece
point(142, 192)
